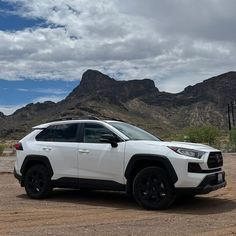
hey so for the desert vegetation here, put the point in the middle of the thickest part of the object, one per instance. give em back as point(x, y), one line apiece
point(8, 147)
point(205, 134)
point(208, 134)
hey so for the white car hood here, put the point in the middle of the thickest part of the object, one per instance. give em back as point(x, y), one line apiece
point(194, 146)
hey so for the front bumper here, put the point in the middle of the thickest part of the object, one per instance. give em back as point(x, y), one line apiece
point(210, 183)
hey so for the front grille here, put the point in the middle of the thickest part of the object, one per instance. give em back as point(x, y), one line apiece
point(196, 168)
point(215, 159)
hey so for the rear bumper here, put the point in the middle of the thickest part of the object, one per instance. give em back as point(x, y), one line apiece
point(17, 176)
point(210, 183)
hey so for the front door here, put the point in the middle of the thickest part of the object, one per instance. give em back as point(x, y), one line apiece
point(97, 160)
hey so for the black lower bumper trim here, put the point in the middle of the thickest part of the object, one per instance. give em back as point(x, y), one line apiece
point(209, 183)
point(17, 176)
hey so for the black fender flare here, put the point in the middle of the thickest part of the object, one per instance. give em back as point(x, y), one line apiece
point(36, 159)
point(159, 159)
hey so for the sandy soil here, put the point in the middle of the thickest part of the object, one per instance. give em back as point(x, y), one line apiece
point(72, 212)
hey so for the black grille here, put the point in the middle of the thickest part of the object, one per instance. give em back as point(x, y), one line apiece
point(215, 159)
point(196, 168)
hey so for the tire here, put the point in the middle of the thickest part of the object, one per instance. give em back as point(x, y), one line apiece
point(37, 182)
point(152, 189)
point(85, 190)
point(187, 196)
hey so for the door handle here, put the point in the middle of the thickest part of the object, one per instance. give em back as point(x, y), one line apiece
point(83, 151)
point(47, 149)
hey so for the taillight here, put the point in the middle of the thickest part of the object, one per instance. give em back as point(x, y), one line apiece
point(18, 146)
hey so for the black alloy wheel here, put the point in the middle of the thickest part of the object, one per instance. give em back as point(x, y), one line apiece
point(37, 182)
point(152, 189)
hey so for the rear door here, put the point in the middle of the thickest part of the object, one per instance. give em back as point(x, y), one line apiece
point(60, 144)
point(97, 160)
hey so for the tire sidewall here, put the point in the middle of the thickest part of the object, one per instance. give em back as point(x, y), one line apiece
point(46, 178)
point(160, 174)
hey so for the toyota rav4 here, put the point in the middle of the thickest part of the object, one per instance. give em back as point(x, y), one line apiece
point(113, 155)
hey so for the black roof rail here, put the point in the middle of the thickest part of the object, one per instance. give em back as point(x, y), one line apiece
point(75, 118)
point(111, 118)
point(61, 119)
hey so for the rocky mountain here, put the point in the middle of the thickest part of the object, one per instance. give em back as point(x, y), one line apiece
point(135, 101)
point(95, 85)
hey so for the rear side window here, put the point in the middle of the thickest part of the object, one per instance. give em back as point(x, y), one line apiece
point(59, 133)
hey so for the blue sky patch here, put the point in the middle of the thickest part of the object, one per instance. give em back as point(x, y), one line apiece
point(27, 91)
point(14, 23)
point(10, 21)
point(7, 7)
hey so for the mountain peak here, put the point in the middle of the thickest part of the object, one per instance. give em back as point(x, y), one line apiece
point(93, 80)
point(93, 74)
point(96, 85)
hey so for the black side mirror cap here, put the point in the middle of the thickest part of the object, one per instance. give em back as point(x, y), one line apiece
point(109, 138)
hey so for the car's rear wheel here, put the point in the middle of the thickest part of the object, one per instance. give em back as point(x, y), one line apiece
point(152, 189)
point(37, 182)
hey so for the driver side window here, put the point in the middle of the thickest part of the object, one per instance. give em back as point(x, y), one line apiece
point(93, 132)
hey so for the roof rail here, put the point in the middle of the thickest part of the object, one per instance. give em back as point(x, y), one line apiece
point(111, 118)
point(75, 118)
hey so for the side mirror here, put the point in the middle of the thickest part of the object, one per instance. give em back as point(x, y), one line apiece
point(109, 138)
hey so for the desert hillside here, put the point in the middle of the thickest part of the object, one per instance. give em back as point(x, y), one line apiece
point(136, 101)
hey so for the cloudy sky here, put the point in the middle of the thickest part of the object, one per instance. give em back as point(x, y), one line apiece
point(46, 45)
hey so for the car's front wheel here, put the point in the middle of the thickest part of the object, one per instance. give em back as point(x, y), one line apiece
point(152, 189)
point(37, 182)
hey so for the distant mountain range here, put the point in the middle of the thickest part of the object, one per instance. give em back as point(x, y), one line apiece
point(135, 101)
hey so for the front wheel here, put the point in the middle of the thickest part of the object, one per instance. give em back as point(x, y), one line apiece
point(152, 189)
point(37, 182)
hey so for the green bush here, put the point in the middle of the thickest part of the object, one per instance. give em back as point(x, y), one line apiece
point(205, 134)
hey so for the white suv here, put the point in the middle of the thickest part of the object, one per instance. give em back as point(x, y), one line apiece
point(113, 155)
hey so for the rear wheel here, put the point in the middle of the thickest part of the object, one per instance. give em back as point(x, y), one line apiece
point(152, 189)
point(37, 182)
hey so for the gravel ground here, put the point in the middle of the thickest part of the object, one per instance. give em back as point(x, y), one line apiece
point(72, 212)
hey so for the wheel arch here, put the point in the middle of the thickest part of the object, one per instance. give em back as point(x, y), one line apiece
point(31, 160)
point(141, 161)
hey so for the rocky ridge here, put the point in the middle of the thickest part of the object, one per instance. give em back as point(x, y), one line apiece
point(135, 101)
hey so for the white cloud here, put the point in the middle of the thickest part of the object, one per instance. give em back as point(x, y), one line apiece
point(51, 91)
point(23, 90)
point(174, 42)
point(52, 98)
point(44, 90)
point(10, 109)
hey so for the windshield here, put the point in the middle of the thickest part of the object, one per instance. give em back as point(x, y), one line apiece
point(133, 132)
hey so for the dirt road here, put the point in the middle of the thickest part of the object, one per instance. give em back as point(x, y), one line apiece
point(72, 212)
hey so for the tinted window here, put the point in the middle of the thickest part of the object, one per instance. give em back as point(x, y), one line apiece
point(93, 132)
point(133, 132)
point(59, 133)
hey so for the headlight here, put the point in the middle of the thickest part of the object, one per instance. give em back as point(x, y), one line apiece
point(188, 152)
